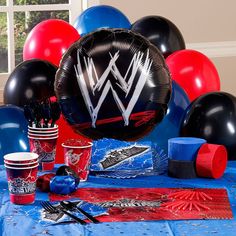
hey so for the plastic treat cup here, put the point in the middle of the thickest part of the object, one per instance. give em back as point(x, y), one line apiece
point(77, 155)
point(45, 147)
point(22, 184)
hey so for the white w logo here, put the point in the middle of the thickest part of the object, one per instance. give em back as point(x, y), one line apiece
point(97, 83)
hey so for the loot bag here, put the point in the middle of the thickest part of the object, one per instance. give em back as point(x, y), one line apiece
point(45, 218)
point(115, 155)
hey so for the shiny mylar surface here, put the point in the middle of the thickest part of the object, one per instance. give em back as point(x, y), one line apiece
point(114, 84)
point(213, 117)
point(161, 32)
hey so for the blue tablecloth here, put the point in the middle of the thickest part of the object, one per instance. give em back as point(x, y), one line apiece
point(14, 223)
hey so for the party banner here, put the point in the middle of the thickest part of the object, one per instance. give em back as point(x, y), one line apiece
point(142, 204)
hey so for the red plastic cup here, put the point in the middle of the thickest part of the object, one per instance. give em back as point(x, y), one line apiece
point(46, 149)
point(22, 184)
point(42, 135)
point(43, 129)
point(46, 133)
point(77, 155)
point(20, 158)
point(21, 165)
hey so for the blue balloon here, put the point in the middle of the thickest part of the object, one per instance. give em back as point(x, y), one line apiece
point(13, 131)
point(170, 125)
point(100, 17)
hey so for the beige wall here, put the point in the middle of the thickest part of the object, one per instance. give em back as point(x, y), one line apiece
point(200, 22)
point(226, 67)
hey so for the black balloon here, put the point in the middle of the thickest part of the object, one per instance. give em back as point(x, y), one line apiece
point(30, 81)
point(113, 83)
point(161, 32)
point(213, 117)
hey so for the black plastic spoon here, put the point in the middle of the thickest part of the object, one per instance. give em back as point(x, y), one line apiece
point(37, 114)
point(46, 114)
point(72, 206)
point(28, 112)
point(55, 112)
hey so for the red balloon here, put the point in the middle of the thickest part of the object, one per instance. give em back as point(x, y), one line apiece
point(194, 72)
point(65, 132)
point(49, 40)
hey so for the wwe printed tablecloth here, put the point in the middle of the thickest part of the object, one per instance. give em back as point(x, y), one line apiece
point(140, 204)
point(17, 219)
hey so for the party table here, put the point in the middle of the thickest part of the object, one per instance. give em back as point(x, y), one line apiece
point(14, 222)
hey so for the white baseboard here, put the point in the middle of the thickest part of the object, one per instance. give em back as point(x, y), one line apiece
point(215, 49)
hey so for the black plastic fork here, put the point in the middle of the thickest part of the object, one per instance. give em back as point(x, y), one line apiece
point(53, 210)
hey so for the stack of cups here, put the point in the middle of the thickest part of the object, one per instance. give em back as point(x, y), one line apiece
point(22, 168)
point(43, 142)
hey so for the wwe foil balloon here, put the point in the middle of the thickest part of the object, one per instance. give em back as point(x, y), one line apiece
point(161, 32)
point(113, 83)
point(30, 81)
point(13, 131)
point(171, 124)
point(213, 117)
